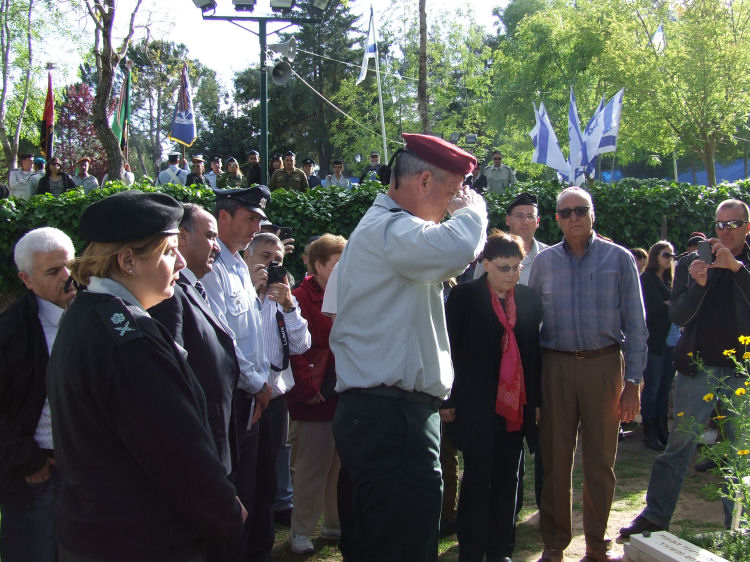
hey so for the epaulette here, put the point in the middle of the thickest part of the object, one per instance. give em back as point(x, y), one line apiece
point(119, 321)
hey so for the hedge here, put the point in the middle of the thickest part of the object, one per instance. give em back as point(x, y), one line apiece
point(630, 212)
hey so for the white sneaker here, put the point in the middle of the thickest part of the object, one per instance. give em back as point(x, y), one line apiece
point(301, 544)
point(330, 534)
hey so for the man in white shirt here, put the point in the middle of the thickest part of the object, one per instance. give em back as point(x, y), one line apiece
point(19, 180)
point(30, 482)
point(173, 174)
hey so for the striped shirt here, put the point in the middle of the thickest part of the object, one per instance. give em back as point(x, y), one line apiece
point(592, 302)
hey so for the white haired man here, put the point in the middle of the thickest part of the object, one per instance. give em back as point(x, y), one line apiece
point(29, 483)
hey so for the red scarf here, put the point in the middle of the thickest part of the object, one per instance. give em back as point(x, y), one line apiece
point(511, 390)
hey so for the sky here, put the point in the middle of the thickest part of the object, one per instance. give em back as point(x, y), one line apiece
point(224, 47)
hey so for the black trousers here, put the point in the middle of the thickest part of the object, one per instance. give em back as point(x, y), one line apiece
point(486, 518)
point(389, 448)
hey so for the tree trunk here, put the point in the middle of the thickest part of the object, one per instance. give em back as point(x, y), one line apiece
point(707, 155)
point(422, 100)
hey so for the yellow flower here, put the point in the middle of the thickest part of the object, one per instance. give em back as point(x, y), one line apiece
point(740, 391)
point(708, 397)
point(729, 352)
point(743, 452)
point(747, 383)
point(680, 414)
point(719, 417)
point(690, 354)
point(744, 340)
point(746, 355)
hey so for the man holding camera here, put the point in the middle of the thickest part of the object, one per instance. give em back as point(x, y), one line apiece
point(284, 333)
point(713, 301)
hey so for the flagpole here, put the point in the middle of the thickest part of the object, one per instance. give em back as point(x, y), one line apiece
point(380, 91)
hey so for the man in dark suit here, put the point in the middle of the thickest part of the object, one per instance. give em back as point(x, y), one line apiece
point(188, 318)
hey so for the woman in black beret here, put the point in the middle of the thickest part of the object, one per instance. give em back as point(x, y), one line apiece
point(141, 478)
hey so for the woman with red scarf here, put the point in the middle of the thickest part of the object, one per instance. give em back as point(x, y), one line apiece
point(493, 325)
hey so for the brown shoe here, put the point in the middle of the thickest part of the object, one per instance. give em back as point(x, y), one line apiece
point(552, 555)
point(599, 556)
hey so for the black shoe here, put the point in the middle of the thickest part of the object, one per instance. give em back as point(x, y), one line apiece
point(639, 525)
point(705, 465)
point(650, 437)
point(283, 517)
point(662, 430)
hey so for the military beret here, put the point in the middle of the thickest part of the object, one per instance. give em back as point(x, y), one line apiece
point(231, 159)
point(39, 160)
point(374, 153)
point(696, 237)
point(215, 158)
point(440, 153)
point(130, 215)
point(290, 153)
point(523, 199)
point(253, 153)
point(254, 198)
point(25, 155)
point(308, 162)
point(84, 159)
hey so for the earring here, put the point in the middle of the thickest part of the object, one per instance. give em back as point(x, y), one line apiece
point(130, 272)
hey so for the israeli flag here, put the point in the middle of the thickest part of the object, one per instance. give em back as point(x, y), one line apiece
point(183, 128)
point(546, 147)
point(575, 142)
point(371, 48)
point(612, 114)
point(659, 39)
point(591, 166)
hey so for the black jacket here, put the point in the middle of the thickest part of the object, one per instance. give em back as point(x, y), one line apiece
point(189, 320)
point(656, 297)
point(43, 186)
point(141, 477)
point(475, 334)
point(23, 361)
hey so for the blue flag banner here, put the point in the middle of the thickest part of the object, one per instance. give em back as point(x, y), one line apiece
point(371, 48)
point(659, 39)
point(546, 147)
point(183, 128)
point(612, 115)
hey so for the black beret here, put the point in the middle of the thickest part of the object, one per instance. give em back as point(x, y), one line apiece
point(523, 199)
point(25, 155)
point(440, 153)
point(215, 158)
point(308, 161)
point(254, 198)
point(130, 215)
point(253, 152)
point(290, 153)
point(173, 157)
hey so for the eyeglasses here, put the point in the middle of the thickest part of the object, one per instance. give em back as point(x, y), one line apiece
point(731, 225)
point(667, 255)
point(524, 217)
point(505, 268)
point(581, 211)
point(496, 158)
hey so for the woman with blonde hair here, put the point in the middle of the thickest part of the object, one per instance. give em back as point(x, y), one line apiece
point(141, 477)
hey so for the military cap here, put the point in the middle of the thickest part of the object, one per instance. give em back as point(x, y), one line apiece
point(374, 153)
point(290, 153)
point(308, 162)
point(84, 159)
point(173, 157)
point(130, 215)
point(254, 198)
point(253, 153)
point(231, 159)
point(198, 158)
point(523, 199)
point(215, 158)
point(39, 160)
point(440, 153)
point(25, 155)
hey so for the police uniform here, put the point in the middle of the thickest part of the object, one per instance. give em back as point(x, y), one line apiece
point(141, 478)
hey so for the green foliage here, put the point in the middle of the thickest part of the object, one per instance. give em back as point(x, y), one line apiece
point(630, 212)
point(730, 545)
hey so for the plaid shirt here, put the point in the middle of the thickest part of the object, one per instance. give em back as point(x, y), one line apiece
point(592, 302)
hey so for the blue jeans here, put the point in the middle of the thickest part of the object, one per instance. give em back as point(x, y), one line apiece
point(284, 490)
point(27, 534)
point(668, 471)
point(657, 379)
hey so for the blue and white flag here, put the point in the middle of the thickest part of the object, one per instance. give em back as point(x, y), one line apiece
point(575, 143)
point(546, 148)
point(612, 115)
point(371, 48)
point(591, 167)
point(183, 128)
point(659, 39)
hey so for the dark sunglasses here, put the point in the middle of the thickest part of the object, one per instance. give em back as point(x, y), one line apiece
point(667, 255)
point(581, 211)
point(731, 225)
point(505, 268)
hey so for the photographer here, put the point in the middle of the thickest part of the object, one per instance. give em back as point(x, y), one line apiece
point(284, 333)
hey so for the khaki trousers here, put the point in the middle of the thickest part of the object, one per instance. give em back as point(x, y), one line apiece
point(316, 472)
point(575, 392)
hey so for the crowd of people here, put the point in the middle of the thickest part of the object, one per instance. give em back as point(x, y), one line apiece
point(171, 393)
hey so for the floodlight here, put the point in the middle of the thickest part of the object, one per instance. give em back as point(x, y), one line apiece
point(454, 137)
point(471, 138)
point(281, 5)
point(321, 5)
point(244, 5)
point(205, 5)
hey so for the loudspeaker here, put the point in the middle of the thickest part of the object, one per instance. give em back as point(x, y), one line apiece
point(287, 49)
point(281, 73)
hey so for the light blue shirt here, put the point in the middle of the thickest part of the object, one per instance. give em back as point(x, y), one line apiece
point(592, 302)
point(49, 317)
point(233, 299)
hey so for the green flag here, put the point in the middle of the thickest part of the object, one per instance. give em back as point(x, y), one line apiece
point(121, 121)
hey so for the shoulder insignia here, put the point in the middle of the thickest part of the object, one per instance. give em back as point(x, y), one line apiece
point(119, 321)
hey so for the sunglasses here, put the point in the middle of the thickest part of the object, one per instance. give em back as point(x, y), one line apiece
point(667, 255)
point(581, 211)
point(505, 268)
point(731, 225)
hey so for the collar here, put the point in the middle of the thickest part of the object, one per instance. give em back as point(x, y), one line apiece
point(49, 311)
point(589, 242)
point(107, 286)
point(189, 275)
point(227, 256)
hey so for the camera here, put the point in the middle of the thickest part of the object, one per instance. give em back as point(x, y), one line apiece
point(704, 252)
point(285, 232)
point(276, 273)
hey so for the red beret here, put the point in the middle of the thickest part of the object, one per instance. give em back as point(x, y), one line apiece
point(440, 153)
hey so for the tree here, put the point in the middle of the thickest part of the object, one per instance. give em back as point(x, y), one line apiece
point(422, 99)
point(108, 56)
point(75, 132)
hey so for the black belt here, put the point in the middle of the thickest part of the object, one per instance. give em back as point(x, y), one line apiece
point(588, 353)
point(398, 394)
point(49, 453)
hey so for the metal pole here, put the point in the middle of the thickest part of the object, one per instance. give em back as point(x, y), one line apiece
point(380, 99)
point(263, 104)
